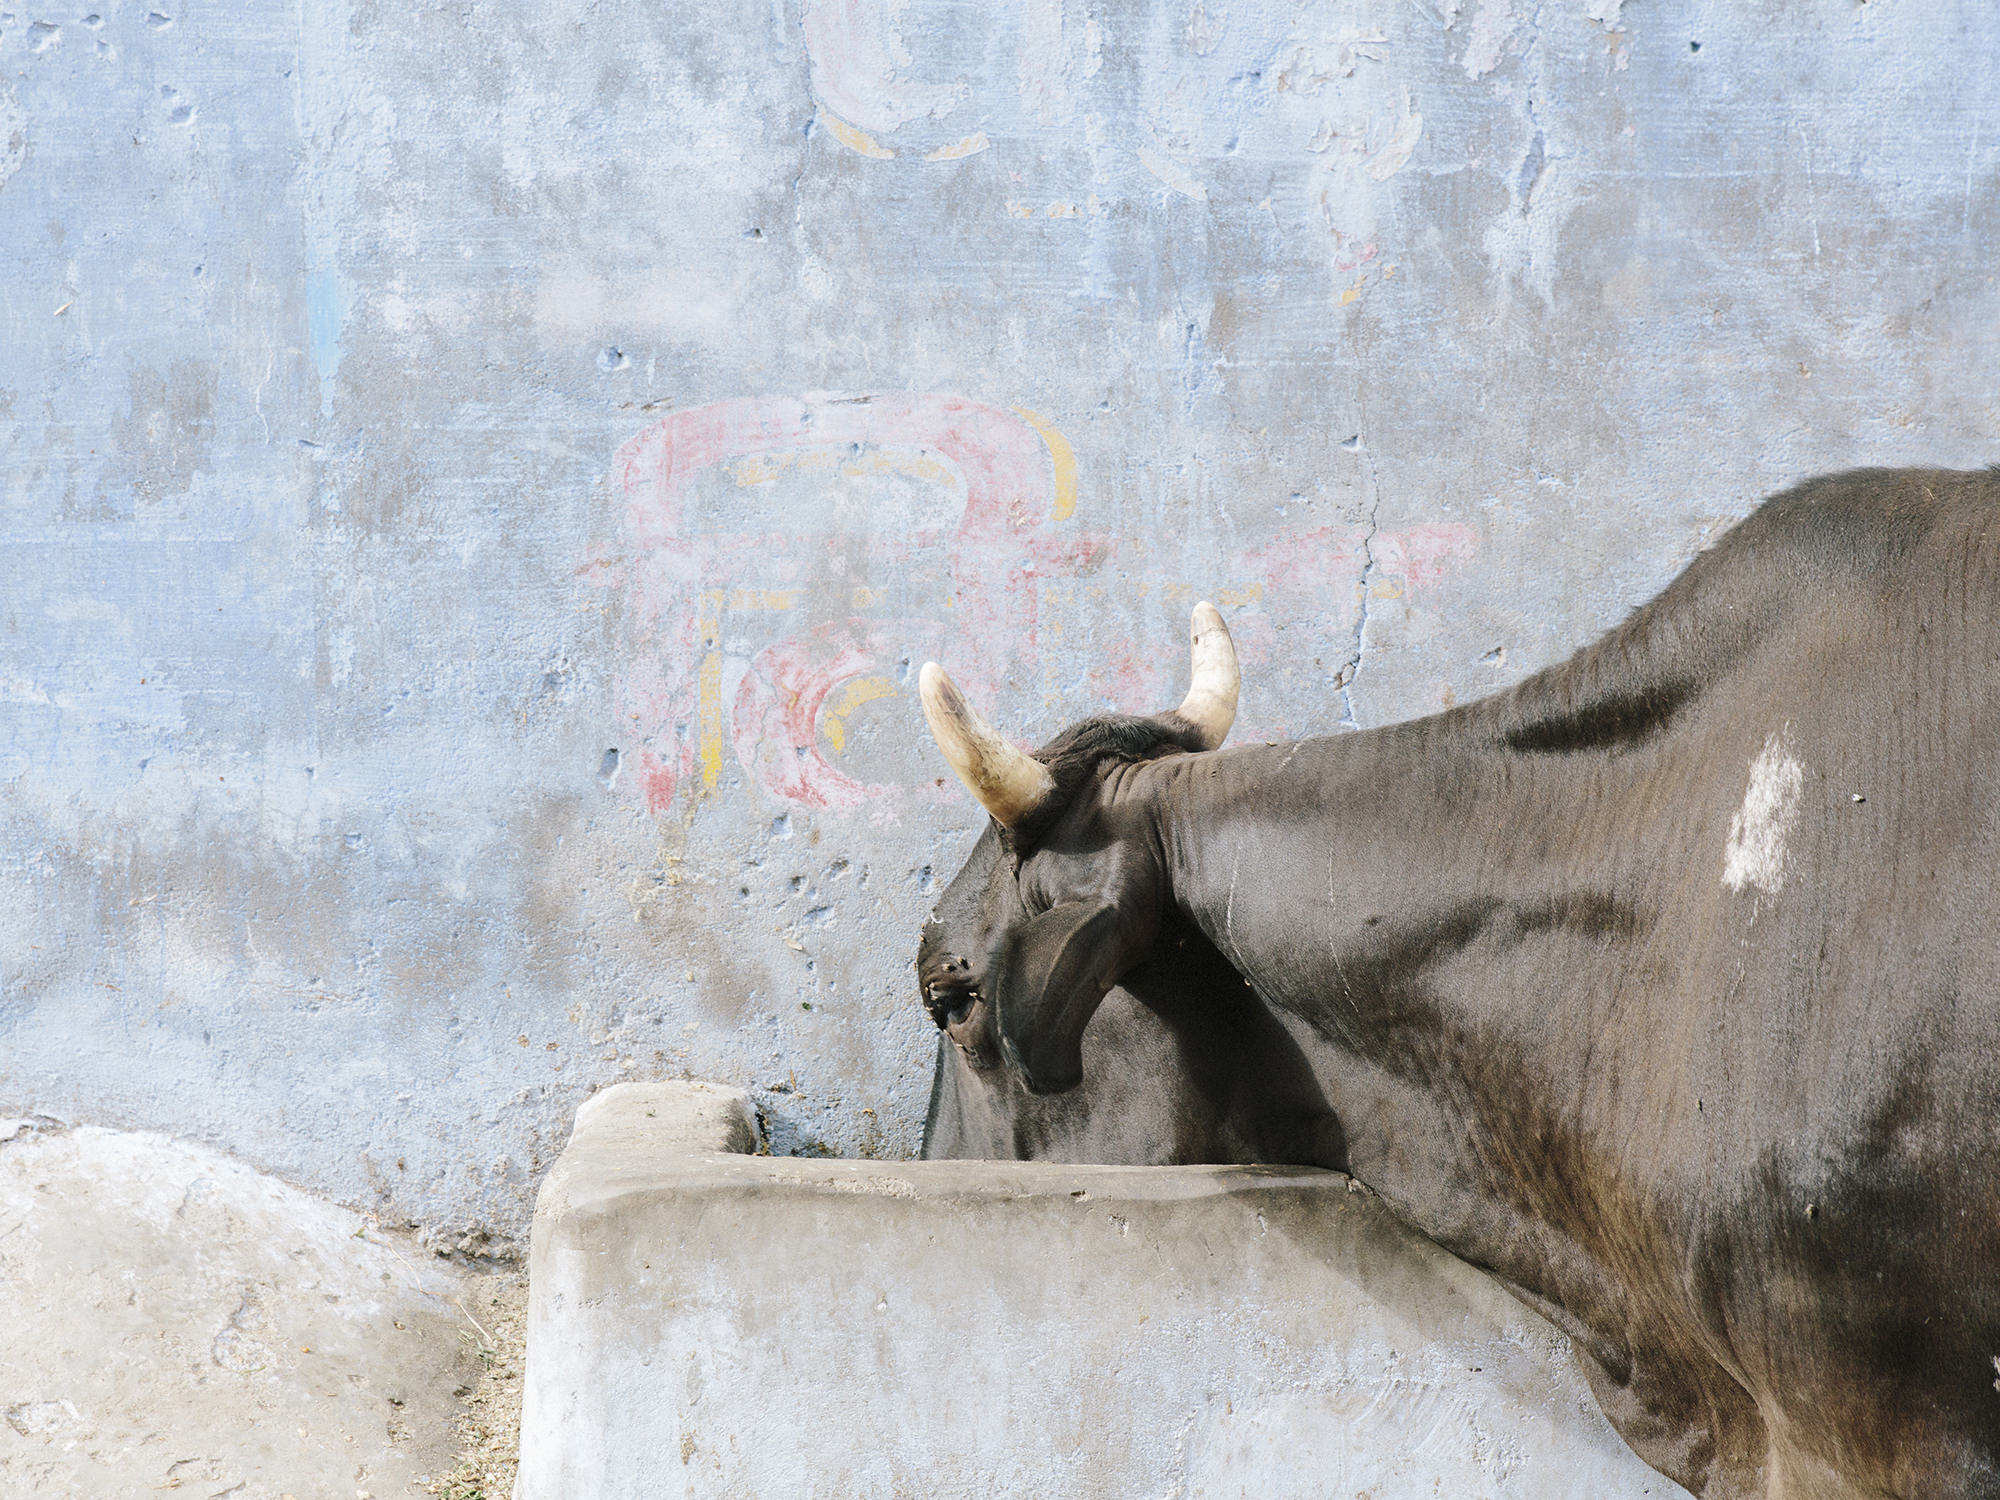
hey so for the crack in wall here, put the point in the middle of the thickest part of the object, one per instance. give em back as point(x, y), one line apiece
point(795, 193)
point(1343, 680)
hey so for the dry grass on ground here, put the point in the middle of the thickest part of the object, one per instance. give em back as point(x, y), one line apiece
point(489, 1428)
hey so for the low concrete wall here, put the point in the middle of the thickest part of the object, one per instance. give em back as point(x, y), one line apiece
point(706, 1324)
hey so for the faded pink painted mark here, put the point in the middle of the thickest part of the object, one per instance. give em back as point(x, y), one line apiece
point(775, 722)
point(1315, 560)
point(776, 712)
point(656, 781)
point(1418, 554)
point(678, 578)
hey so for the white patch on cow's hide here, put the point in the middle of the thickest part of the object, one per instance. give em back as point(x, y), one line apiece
point(1755, 854)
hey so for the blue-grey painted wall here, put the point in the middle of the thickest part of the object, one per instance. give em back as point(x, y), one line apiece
point(457, 615)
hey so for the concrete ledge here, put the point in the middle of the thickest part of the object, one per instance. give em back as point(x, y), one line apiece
point(704, 1324)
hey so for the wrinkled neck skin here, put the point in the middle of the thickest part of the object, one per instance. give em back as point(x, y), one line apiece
point(1392, 897)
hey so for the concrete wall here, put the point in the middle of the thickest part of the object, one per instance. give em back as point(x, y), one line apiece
point(459, 609)
point(704, 1325)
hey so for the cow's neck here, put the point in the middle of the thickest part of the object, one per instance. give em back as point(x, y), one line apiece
point(1429, 918)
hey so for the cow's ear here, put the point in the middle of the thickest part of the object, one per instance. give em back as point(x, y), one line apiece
point(1055, 971)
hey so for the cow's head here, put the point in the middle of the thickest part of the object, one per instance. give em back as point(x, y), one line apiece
point(1066, 892)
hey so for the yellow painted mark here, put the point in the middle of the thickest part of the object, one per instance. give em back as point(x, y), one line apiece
point(857, 691)
point(867, 598)
point(710, 692)
point(763, 598)
point(1061, 210)
point(765, 468)
point(711, 720)
point(917, 465)
point(1020, 210)
point(1250, 593)
point(972, 145)
point(1354, 291)
point(853, 137)
point(758, 468)
point(1061, 455)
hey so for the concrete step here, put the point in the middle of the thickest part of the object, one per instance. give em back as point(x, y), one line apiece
point(704, 1323)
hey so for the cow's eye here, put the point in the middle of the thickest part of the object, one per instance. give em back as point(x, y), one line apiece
point(949, 999)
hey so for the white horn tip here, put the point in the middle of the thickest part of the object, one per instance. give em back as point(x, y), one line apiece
point(1210, 704)
point(1009, 783)
point(944, 704)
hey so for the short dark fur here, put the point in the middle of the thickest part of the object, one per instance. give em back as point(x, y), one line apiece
point(1077, 755)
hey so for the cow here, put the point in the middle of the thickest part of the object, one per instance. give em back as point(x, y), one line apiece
point(1664, 985)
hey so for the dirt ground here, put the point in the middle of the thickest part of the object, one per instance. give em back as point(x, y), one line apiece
point(178, 1321)
point(488, 1428)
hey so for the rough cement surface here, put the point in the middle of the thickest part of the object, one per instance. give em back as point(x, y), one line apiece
point(175, 1321)
point(477, 478)
point(713, 1325)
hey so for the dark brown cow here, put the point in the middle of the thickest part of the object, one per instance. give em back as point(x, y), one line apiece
point(1665, 986)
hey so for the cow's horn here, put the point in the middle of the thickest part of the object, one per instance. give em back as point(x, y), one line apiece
point(1210, 705)
point(1008, 783)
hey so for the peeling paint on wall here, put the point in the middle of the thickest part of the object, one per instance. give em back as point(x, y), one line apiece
point(1490, 35)
point(13, 135)
point(862, 70)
